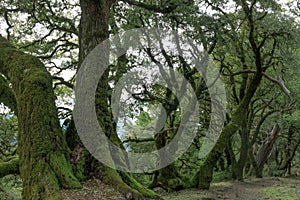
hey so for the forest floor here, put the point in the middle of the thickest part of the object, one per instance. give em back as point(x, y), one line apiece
point(271, 188)
point(92, 189)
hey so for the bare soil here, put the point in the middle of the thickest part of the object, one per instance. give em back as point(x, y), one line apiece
point(272, 188)
point(93, 189)
point(269, 188)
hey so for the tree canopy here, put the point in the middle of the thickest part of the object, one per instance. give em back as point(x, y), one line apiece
point(253, 46)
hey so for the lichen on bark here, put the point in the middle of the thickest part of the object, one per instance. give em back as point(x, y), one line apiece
point(41, 146)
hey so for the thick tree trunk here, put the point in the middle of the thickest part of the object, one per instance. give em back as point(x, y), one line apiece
point(167, 177)
point(42, 147)
point(93, 30)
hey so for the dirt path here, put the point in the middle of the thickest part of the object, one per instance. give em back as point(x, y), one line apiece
point(250, 189)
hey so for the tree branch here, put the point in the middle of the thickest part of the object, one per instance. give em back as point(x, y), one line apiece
point(247, 71)
point(137, 140)
point(280, 83)
point(154, 8)
point(62, 82)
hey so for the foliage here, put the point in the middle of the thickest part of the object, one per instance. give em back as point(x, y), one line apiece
point(282, 192)
point(11, 187)
point(254, 44)
point(8, 136)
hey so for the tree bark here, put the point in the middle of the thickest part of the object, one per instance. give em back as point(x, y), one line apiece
point(203, 177)
point(266, 150)
point(41, 145)
point(243, 153)
point(293, 142)
point(93, 30)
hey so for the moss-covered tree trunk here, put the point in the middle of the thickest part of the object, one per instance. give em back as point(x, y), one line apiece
point(168, 177)
point(239, 171)
point(231, 160)
point(203, 177)
point(41, 145)
point(293, 143)
point(93, 30)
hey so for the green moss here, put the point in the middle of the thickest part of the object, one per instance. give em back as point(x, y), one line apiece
point(11, 187)
point(175, 183)
point(187, 195)
point(10, 167)
point(81, 169)
point(42, 183)
point(63, 171)
point(111, 177)
point(42, 146)
point(170, 178)
point(124, 183)
point(137, 186)
point(281, 192)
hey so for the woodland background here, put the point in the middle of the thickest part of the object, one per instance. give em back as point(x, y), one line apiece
point(254, 44)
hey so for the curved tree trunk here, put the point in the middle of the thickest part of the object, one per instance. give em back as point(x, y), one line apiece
point(203, 177)
point(293, 143)
point(244, 134)
point(42, 147)
point(168, 177)
point(266, 150)
point(93, 30)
